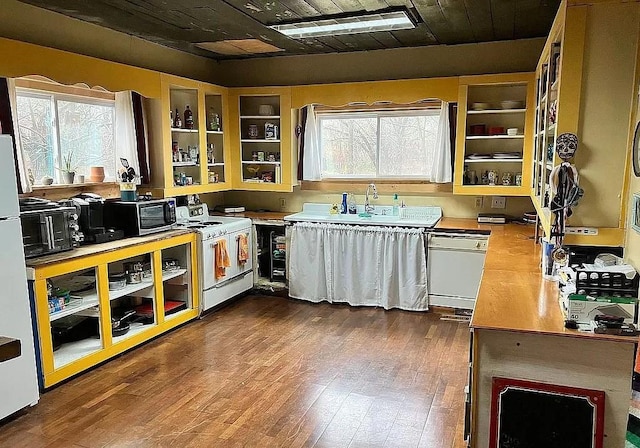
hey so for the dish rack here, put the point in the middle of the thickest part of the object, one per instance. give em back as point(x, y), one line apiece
point(420, 213)
point(610, 284)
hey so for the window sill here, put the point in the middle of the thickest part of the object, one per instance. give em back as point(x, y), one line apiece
point(70, 186)
point(64, 191)
point(383, 186)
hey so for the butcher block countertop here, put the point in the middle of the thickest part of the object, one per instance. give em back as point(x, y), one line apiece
point(513, 296)
point(94, 249)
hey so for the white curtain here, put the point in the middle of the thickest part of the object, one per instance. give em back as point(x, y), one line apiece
point(126, 146)
point(359, 265)
point(22, 174)
point(312, 161)
point(441, 167)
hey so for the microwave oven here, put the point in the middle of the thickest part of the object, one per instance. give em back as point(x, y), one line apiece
point(49, 230)
point(138, 218)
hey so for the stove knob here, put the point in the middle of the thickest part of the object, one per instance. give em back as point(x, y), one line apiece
point(74, 227)
point(73, 217)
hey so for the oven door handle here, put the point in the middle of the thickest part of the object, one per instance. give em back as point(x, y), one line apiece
point(51, 237)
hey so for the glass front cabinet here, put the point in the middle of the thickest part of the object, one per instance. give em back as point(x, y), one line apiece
point(92, 304)
point(262, 140)
point(188, 135)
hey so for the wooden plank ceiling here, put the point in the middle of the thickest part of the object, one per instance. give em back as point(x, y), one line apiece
point(181, 24)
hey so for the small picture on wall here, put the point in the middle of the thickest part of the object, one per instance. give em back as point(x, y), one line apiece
point(635, 216)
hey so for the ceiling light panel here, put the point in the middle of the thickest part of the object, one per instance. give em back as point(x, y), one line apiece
point(370, 23)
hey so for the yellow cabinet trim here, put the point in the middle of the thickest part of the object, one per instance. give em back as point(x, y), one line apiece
point(100, 261)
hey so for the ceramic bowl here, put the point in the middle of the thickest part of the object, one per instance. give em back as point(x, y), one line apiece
point(46, 180)
point(510, 104)
point(480, 106)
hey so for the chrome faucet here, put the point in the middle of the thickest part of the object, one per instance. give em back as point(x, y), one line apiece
point(368, 208)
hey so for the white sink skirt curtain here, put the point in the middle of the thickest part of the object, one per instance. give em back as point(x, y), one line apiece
point(359, 265)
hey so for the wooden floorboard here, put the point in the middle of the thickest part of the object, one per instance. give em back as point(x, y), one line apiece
point(268, 372)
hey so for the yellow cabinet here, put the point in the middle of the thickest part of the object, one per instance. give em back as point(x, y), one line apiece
point(585, 85)
point(189, 155)
point(494, 128)
point(261, 132)
point(79, 298)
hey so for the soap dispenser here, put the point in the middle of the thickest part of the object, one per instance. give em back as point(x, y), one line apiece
point(395, 211)
point(353, 208)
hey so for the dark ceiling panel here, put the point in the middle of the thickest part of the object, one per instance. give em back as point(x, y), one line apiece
point(479, 14)
point(503, 14)
point(417, 37)
point(533, 15)
point(182, 23)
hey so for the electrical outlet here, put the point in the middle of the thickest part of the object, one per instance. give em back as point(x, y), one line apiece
point(498, 202)
point(283, 204)
point(479, 201)
point(581, 230)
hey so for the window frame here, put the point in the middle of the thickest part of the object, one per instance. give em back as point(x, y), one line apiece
point(54, 98)
point(378, 114)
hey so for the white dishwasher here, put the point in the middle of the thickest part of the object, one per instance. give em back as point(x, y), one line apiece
point(455, 262)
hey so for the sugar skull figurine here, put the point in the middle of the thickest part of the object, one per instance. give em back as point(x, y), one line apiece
point(566, 145)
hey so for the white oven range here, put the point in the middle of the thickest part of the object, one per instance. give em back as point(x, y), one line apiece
point(212, 230)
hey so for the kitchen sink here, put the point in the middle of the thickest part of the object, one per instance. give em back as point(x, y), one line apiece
point(416, 216)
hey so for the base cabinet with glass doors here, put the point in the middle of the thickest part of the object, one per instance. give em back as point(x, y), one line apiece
point(98, 301)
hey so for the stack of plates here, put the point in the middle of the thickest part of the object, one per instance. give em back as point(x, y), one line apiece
point(507, 155)
point(476, 156)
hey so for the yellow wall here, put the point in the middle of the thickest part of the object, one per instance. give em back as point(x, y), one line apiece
point(403, 63)
point(605, 107)
point(632, 240)
point(26, 23)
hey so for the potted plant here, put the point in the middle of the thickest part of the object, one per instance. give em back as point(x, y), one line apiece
point(68, 169)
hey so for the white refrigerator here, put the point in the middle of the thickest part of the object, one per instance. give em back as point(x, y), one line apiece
point(18, 378)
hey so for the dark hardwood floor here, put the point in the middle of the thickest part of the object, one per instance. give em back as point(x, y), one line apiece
point(268, 372)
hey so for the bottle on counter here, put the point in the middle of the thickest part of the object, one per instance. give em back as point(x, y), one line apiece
point(188, 118)
point(395, 210)
point(353, 208)
point(344, 207)
point(177, 120)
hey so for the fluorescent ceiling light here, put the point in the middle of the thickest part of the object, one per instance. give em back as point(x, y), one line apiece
point(385, 21)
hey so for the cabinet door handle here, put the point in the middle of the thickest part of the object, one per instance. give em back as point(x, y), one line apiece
point(51, 236)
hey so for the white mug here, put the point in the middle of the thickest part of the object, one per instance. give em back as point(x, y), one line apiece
point(80, 178)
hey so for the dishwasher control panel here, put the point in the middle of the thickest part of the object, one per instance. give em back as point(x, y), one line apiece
point(458, 242)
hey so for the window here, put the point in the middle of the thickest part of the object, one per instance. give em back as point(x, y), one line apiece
point(53, 126)
point(378, 144)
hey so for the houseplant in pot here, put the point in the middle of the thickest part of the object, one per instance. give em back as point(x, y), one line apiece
point(68, 168)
